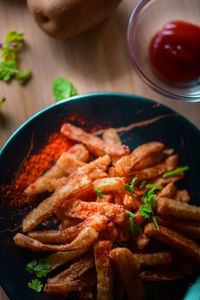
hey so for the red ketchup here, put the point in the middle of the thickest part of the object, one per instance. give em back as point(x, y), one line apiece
point(175, 52)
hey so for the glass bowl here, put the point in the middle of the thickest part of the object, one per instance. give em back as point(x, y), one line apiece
point(149, 17)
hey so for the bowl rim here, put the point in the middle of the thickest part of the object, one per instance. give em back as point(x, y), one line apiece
point(130, 32)
point(94, 95)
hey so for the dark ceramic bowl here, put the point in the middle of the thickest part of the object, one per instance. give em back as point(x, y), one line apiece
point(140, 120)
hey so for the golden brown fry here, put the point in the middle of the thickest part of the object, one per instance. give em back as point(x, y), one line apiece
point(182, 195)
point(110, 136)
point(110, 233)
point(55, 183)
point(94, 144)
point(149, 161)
point(190, 228)
point(141, 240)
point(128, 268)
point(114, 184)
point(100, 163)
point(168, 191)
point(170, 207)
point(164, 273)
point(130, 201)
point(69, 234)
point(139, 219)
point(74, 186)
point(167, 165)
point(97, 174)
point(81, 209)
point(69, 163)
point(175, 240)
point(153, 259)
point(60, 258)
point(79, 152)
point(85, 239)
point(126, 164)
point(67, 222)
point(104, 270)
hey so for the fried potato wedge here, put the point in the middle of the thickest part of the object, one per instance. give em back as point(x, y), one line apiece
point(69, 163)
point(168, 191)
point(175, 240)
point(81, 209)
point(67, 235)
point(169, 164)
point(114, 184)
point(94, 144)
point(85, 239)
point(128, 269)
point(164, 273)
point(60, 258)
point(130, 201)
point(153, 259)
point(141, 240)
point(110, 136)
point(79, 152)
point(104, 270)
point(68, 222)
point(126, 164)
point(181, 195)
point(170, 207)
point(110, 233)
point(74, 186)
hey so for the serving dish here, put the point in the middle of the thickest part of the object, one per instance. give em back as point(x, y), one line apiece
point(138, 120)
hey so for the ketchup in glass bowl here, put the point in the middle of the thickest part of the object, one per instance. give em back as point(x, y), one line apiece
point(164, 46)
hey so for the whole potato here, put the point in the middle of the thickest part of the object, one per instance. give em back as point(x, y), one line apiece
point(66, 18)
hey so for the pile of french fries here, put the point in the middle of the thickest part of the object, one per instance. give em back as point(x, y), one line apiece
point(93, 244)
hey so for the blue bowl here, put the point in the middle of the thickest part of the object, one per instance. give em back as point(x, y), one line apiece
point(140, 120)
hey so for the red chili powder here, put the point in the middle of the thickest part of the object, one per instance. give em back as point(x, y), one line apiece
point(33, 167)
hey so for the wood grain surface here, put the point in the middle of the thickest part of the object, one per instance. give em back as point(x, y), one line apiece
point(95, 61)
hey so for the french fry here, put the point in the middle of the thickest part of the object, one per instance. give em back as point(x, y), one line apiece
point(104, 270)
point(85, 239)
point(94, 144)
point(66, 287)
point(74, 186)
point(130, 201)
point(110, 136)
point(68, 222)
point(153, 259)
point(175, 240)
point(96, 174)
point(79, 152)
point(112, 172)
point(81, 209)
point(168, 151)
point(126, 164)
point(164, 273)
point(114, 184)
point(110, 233)
point(169, 164)
point(139, 219)
point(163, 181)
point(170, 207)
point(60, 258)
point(189, 228)
point(56, 183)
point(182, 195)
point(123, 233)
point(149, 161)
point(100, 163)
point(69, 234)
point(141, 240)
point(168, 191)
point(69, 163)
point(128, 269)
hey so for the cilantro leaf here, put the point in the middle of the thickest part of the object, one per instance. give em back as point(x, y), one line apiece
point(8, 53)
point(8, 69)
point(40, 268)
point(30, 266)
point(63, 88)
point(174, 172)
point(134, 228)
point(130, 187)
point(23, 76)
point(2, 100)
point(35, 285)
point(154, 186)
point(99, 194)
point(15, 38)
point(142, 184)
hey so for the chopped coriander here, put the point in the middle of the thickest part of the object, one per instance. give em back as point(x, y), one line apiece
point(99, 194)
point(63, 88)
point(35, 285)
point(174, 172)
point(15, 38)
point(154, 186)
point(8, 53)
point(134, 228)
point(142, 184)
point(23, 76)
point(40, 268)
point(2, 100)
point(8, 69)
point(130, 214)
point(130, 187)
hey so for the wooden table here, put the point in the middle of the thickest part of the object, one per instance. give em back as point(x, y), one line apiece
point(95, 61)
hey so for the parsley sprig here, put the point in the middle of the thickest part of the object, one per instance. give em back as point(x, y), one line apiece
point(2, 100)
point(133, 228)
point(39, 267)
point(130, 187)
point(99, 194)
point(35, 285)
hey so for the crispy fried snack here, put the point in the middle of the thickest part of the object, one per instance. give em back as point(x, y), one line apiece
point(153, 259)
point(141, 240)
point(110, 136)
point(94, 144)
point(182, 195)
point(79, 152)
point(161, 273)
point(104, 270)
point(175, 240)
point(168, 191)
point(170, 207)
point(114, 184)
point(128, 269)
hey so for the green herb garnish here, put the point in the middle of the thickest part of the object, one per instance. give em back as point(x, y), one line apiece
point(174, 172)
point(133, 228)
point(99, 194)
point(130, 187)
point(39, 267)
point(146, 210)
point(35, 285)
point(142, 184)
point(63, 88)
point(23, 76)
point(154, 186)
point(14, 38)
point(2, 100)
point(8, 69)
